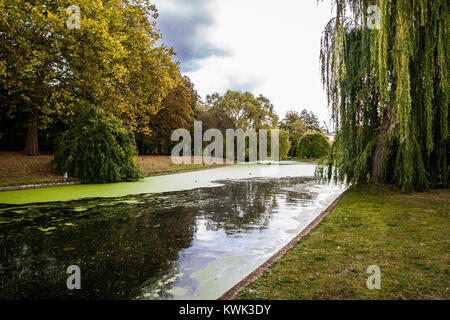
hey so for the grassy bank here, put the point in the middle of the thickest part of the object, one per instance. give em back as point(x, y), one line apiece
point(406, 235)
point(17, 170)
point(156, 165)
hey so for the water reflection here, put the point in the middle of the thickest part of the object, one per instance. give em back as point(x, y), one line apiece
point(185, 244)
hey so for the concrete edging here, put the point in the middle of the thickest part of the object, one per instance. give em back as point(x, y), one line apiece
point(63, 184)
point(255, 275)
point(39, 186)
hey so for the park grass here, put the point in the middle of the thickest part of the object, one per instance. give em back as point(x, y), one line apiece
point(18, 170)
point(406, 234)
point(157, 165)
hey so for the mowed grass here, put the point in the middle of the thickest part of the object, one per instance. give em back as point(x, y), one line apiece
point(406, 235)
point(17, 170)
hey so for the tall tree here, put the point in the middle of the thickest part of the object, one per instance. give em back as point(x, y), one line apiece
point(388, 92)
point(245, 110)
point(293, 124)
point(310, 120)
point(111, 61)
point(176, 113)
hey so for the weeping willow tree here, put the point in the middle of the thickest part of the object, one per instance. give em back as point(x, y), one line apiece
point(387, 88)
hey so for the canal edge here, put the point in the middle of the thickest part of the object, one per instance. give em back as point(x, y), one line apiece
point(256, 274)
point(73, 183)
point(39, 186)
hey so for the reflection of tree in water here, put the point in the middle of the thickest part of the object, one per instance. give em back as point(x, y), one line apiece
point(121, 243)
point(247, 204)
point(115, 251)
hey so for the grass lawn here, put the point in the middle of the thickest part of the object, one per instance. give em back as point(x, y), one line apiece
point(154, 165)
point(17, 170)
point(406, 235)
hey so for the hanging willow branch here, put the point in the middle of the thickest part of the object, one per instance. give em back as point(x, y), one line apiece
point(388, 92)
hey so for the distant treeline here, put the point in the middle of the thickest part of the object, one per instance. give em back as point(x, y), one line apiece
point(113, 62)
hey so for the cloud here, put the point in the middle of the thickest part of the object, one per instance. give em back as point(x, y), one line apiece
point(184, 25)
point(261, 46)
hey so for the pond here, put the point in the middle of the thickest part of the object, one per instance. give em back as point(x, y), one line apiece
point(184, 236)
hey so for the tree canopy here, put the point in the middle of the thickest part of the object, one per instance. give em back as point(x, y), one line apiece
point(97, 149)
point(111, 61)
point(244, 109)
point(296, 128)
point(388, 92)
point(176, 112)
point(313, 145)
point(310, 120)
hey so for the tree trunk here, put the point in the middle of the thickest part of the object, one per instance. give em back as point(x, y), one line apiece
point(31, 144)
point(389, 123)
point(380, 149)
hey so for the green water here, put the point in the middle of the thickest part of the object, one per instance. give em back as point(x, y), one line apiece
point(168, 183)
point(187, 244)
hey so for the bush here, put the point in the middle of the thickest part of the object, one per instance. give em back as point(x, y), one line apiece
point(285, 144)
point(97, 149)
point(313, 145)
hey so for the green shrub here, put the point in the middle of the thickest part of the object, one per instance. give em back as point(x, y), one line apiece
point(285, 144)
point(313, 145)
point(97, 149)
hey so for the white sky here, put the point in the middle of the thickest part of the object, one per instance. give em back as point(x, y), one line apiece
point(272, 49)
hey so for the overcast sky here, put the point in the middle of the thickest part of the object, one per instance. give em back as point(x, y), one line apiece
point(261, 46)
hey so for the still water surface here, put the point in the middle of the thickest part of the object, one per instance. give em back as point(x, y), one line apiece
point(185, 236)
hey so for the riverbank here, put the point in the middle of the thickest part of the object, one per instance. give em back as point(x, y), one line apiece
point(406, 235)
point(18, 171)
